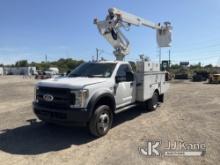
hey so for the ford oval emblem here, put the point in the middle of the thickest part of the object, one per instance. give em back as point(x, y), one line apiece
point(48, 97)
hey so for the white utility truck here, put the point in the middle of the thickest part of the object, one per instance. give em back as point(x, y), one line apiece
point(95, 91)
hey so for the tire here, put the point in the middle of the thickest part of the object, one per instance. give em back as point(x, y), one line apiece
point(152, 104)
point(101, 121)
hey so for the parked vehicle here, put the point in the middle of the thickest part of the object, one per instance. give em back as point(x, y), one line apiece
point(214, 78)
point(181, 76)
point(200, 76)
point(94, 92)
point(42, 75)
point(53, 70)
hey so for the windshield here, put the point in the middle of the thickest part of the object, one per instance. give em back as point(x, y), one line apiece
point(93, 70)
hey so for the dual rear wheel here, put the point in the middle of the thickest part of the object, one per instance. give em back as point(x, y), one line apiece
point(153, 103)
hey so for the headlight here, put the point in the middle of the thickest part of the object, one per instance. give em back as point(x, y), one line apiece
point(80, 98)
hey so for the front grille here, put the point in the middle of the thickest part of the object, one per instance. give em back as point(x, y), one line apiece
point(62, 98)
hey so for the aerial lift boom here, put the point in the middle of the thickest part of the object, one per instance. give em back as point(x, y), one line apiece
point(116, 19)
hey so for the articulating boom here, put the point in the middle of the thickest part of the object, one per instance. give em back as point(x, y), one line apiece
point(110, 29)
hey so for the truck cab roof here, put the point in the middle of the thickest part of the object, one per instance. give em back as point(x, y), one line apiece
point(115, 62)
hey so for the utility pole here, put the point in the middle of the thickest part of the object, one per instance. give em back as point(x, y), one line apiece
point(159, 55)
point(46, 58)
point(169, 58)
point(97, 54)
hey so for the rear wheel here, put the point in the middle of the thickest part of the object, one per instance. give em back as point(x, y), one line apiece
point(152, 104)
point(101, 121)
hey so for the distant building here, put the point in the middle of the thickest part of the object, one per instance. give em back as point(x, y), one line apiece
point(19, 70)
point(184, 63)
point(1, 71)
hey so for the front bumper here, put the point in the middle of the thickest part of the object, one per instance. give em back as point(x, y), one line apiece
point(62, 116)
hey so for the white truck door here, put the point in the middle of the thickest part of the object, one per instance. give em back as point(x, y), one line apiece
point(125, 86)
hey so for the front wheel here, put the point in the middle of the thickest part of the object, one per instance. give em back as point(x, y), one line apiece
point(101, 121)
point(152, 104)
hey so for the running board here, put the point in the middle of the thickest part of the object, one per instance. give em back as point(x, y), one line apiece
point(125, 108)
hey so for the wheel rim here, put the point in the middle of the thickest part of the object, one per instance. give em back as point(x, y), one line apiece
point(103, 122)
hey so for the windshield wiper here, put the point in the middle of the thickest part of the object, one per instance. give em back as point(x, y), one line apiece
point(94, 75)
point(89, 75)
point(74, 75)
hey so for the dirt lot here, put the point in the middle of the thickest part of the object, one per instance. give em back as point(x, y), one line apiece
point(191, 113)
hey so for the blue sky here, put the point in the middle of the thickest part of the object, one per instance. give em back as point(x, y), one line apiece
point(29, 29)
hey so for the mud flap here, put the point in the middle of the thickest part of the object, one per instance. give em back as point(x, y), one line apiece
point(161, 98)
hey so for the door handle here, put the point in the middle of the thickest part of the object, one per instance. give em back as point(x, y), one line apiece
point(131, 84)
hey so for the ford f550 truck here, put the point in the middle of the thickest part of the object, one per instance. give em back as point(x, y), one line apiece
point(95, 91)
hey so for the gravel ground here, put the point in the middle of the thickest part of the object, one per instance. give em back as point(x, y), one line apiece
point(191, 114)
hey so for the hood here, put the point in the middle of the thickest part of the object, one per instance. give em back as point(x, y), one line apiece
point(71, 82)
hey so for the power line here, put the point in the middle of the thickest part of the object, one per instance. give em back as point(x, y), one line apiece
point(198, 59)
point(199, 52)
point(201, 41)
point(193, 59)
point(199, 48)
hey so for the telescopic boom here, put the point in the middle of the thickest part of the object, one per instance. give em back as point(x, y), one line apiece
point(116, 19)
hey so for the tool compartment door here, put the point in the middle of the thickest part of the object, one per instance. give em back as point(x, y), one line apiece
point(147, 83)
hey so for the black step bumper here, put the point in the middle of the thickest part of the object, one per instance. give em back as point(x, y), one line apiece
point(73, 116)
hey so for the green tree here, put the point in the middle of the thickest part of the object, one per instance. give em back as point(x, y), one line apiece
point(21, 63)
point(62, 64)
point(175, 66)
point(208, 66)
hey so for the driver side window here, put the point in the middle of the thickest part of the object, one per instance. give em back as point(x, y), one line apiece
point(122, 73)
